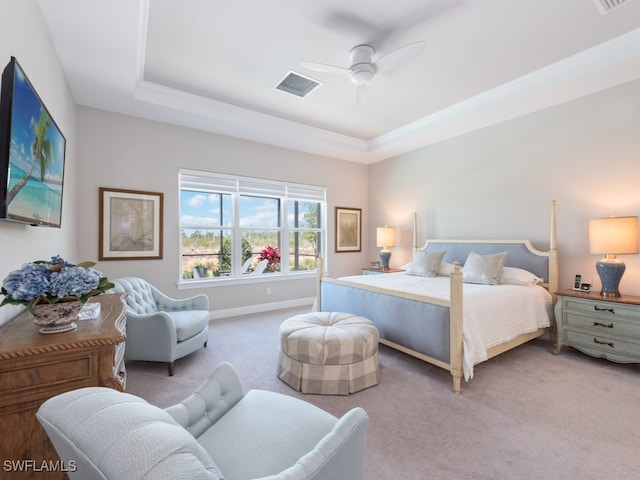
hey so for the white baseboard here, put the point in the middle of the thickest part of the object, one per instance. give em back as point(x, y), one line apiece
point(264, 307)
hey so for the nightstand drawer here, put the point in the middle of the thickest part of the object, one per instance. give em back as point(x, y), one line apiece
point(601, 308)
point(602, 324)
point(602, 343)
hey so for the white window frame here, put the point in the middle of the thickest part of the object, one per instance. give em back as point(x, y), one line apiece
point(237, 186)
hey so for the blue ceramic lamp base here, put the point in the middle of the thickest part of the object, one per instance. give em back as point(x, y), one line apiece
point(385, 255)
point(610, 272)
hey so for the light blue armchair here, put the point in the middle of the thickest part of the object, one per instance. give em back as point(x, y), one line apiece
point(160, 328)
point(218, 432)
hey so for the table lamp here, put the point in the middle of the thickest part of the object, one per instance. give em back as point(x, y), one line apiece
point(385, 238)
point(612, 236)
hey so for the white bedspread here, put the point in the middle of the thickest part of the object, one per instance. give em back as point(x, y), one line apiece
point(492, 314)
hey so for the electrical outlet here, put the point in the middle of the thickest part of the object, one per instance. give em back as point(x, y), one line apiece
point(268, 290)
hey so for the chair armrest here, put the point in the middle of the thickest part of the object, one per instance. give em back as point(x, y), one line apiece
point(339, 454)
point(168, 304)
point(211, 400)
point(153, 332)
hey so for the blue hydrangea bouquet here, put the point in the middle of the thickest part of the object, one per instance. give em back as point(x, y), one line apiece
point(50, 282)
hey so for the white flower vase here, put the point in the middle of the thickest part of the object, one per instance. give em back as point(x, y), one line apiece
point(57, 317)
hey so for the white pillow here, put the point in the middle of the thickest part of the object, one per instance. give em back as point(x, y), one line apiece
point(484, 269)
point(445, 269)
point(425, 264)
point(519, 276)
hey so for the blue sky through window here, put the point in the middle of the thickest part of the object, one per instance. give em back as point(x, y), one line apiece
point(202, 209)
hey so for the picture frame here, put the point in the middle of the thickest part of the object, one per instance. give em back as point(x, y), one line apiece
point(131, 224)
point(348, 229)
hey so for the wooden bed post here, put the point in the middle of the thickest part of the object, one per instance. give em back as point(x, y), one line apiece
point(415, 232)
point(319, 273)
point(553, 271)
point(455, 332)
point(553, 252)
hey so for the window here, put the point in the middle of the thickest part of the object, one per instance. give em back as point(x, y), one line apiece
point(232, 227)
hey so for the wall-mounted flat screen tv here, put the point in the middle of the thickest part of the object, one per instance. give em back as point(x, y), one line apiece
point(32, 150)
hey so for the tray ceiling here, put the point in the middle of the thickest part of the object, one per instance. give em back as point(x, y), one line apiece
point(213, 65)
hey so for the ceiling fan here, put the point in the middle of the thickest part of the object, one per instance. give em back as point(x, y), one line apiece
point(363, 68)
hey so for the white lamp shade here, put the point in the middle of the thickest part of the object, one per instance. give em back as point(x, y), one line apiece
point(386, 237)
point(613, 235)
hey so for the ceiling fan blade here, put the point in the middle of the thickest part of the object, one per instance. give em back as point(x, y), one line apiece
point(399, 56)
point(363, 93)
point(321, 67)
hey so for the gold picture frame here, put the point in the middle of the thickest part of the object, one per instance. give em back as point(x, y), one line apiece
point(130, 225)
point(348, 229)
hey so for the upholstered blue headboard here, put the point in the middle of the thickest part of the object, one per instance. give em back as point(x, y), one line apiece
point(520, 253)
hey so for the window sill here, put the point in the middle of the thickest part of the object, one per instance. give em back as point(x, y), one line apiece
point(245, 280)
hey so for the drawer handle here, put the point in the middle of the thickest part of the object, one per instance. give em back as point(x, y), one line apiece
point(598, 324)
point(600, 342)
point(598, 309)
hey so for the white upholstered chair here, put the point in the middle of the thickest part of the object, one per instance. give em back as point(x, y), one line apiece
point(218, 432)
point(160, 328)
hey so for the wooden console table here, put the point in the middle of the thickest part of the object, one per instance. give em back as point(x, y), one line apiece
point(35, 367)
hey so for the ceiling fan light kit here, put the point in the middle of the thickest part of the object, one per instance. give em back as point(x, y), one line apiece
point(362, 74)
point(363, 68)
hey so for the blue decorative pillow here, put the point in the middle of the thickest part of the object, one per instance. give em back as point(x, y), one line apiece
point(484, 269)
point(425, 264)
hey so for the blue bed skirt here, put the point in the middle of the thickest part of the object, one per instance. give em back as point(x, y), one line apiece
point(416, 325)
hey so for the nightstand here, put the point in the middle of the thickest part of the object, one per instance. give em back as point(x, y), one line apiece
point(377, 271)
point(604, 328)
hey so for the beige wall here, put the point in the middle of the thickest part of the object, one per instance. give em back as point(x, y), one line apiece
point(24, 35)
point(498, 182)
point(125, 152)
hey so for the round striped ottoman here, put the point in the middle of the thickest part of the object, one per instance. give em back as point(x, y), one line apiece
point(328, 353)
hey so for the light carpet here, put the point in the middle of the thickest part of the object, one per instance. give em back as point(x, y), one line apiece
point(527, 414)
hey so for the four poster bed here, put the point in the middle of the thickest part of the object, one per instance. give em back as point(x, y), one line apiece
point(451, 316)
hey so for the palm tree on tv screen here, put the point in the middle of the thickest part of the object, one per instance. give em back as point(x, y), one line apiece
point(41, 150)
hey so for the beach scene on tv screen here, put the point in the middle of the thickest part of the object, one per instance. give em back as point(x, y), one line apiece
point(36, 159)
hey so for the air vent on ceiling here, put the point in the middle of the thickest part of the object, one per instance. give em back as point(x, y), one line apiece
point(296, 84)
point(605, 6)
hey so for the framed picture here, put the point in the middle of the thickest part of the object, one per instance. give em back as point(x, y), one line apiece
point(348, 229)
point(130, 224)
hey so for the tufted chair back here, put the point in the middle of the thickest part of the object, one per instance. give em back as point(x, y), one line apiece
point(114, 435)
point(140, 294)
point(161, 328)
